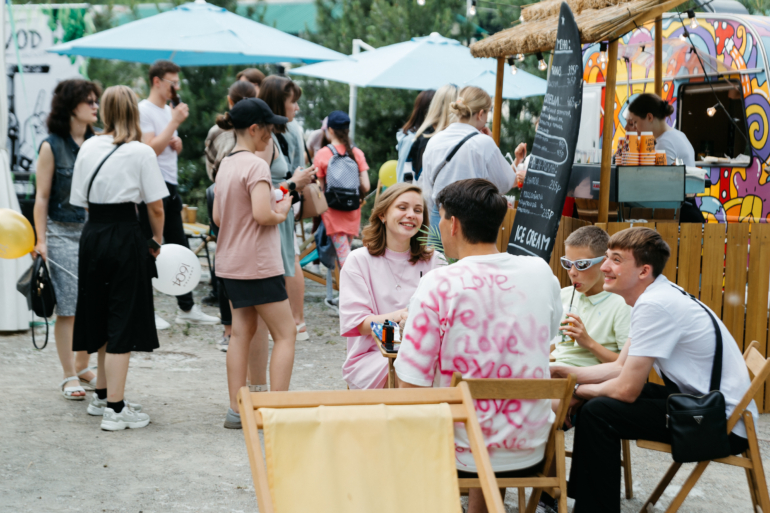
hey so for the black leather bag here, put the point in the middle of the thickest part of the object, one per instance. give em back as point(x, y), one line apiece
point(698, 424)
point(35, 285)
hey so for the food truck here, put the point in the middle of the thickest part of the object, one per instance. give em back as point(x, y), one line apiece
point(729, 136)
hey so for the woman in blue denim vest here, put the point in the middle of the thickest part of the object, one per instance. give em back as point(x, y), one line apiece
point(59, 224)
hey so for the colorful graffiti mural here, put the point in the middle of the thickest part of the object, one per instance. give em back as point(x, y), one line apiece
point(726, 45)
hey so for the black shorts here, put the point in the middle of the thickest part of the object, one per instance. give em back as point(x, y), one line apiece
point(504, 474)
point(245, 293)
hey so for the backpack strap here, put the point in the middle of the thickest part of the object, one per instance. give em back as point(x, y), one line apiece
point(334, 150)
point(450, 155)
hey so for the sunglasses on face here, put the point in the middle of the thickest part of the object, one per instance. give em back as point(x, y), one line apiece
point(580, 265)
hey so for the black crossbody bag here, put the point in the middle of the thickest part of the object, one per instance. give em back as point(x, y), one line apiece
point(698, 424)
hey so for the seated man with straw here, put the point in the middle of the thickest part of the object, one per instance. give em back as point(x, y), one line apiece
point(490, 315)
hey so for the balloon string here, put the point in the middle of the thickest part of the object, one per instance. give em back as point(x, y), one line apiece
point(62, 268)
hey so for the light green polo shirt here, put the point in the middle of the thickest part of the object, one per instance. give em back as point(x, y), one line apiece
point(607, 319)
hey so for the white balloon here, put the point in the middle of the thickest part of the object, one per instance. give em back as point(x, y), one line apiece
point(179, 270)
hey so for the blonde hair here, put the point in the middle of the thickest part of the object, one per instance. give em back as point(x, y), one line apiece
point(470, 101)
point(375, 234)
point(120, 114)
point(438, 113)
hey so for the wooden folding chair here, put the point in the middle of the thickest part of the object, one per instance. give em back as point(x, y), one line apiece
point(751, 460)
point(503, 389)
point(458, 399)
point(317, 277)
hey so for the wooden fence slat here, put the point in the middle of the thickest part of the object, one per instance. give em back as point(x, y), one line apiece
point(670, 234)
point(756, 308)
point(713, 267)
point(688, 273)
point(735, 280)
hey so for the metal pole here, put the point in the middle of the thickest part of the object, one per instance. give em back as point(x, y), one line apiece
point(358, 44)
point(609, 123)
point(498, 113)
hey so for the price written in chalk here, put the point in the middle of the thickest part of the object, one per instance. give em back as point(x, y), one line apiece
point(554, 186)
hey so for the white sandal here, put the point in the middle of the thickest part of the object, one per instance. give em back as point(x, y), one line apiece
point(302, 335)
point(89, 386)
point(68, 391)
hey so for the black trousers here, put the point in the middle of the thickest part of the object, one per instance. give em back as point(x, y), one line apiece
point(602, 423)
point(173, 232)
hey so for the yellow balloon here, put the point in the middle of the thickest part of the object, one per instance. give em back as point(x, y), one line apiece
point(16, 235)
point(388, 175)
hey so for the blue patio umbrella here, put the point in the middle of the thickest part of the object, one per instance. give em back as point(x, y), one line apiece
point(197, 34)
point(423, 63)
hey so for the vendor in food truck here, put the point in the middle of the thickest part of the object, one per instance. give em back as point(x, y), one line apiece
point(648, 113)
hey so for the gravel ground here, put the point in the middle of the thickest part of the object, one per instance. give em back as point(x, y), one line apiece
point(54, 457)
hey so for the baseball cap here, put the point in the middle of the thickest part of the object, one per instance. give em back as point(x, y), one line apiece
point(338, 119)
point(253, 111)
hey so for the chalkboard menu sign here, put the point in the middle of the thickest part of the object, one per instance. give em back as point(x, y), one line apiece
point(553, 152)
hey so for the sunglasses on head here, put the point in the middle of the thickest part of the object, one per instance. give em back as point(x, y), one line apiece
point(580, 265)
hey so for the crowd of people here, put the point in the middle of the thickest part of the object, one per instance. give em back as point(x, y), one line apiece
point(103, 198)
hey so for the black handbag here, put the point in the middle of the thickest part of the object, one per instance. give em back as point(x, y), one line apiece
point(35, 285)
point(698, 424)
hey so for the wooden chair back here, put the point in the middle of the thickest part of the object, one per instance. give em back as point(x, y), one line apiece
point(533, 389)
point(458, 399)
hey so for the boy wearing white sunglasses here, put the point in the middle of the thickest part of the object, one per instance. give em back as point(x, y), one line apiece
point(597, 328)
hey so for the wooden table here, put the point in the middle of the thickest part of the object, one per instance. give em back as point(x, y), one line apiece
point(391, 359)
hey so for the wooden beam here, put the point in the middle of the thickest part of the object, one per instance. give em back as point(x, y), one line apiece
point(610, 77)
point(659, 56)
point(497, 116)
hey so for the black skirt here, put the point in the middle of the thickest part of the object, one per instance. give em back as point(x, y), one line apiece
point(115, 305)
point(244, 293)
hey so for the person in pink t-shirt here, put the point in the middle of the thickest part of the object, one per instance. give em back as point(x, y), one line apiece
point(489, 315)
point(341, 226)
point(379, 279)
point(249, 249)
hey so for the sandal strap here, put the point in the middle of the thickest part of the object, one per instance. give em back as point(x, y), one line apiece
point(73, 378)
point(87, 369)
point(300, 326)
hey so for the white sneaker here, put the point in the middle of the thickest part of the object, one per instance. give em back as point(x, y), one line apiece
point(160, 323)
point(128, 418)
point(313, 268)
point(195, 316)
point(97, 406)
point(224, 343)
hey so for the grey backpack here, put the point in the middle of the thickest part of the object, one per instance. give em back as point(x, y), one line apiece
point(342, 181)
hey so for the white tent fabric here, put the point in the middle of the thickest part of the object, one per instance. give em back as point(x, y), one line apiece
point(14, 315)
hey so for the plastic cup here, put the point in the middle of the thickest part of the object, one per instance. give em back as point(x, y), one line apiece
point(573, 309)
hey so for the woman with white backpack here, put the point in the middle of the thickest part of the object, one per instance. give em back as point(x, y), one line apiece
point(344, 179)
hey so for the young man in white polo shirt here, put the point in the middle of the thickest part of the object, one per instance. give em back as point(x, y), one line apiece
point(670, 332)
point(159, 123)
point(490, 315)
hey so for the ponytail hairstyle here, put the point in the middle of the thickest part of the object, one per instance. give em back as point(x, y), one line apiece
point(224, 122)
point(343, 136)
point(648, 103)
point(240, 90)
point(438, 116)
point(471, 100)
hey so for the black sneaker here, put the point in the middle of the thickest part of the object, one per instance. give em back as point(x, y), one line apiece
point(211, 299)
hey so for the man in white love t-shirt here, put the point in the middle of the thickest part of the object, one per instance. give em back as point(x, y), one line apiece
point(159, 124)
point(489, 315)
point(671, 332)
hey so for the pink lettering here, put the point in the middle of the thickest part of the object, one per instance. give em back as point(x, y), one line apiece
point(504, 372)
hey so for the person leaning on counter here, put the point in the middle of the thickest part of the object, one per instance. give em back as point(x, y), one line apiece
point(648, 113)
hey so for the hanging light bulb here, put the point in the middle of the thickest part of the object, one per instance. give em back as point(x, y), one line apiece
point(472, 8)
point(602, 53)
point(520, 57)
point(711, 111)
point(511, 63)
point(541, 65)
point(420, 2)
point(521, 19)
point(693, 22)
point(684, 36)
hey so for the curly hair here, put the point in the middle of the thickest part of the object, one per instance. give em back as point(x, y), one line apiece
point(375, 233)
point(66, 97)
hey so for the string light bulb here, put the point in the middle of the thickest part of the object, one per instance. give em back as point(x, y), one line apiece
point(693, 21)
point(711, 111)
point(472, 8)
point(520, 57)
point(511, 63)
point(541, 64)
point(684, 36)
point(420, 2)
point(602, 53)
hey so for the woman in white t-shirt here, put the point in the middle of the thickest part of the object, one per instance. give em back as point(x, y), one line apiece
point(648, 113)
point(476, 156)
point(115, 314)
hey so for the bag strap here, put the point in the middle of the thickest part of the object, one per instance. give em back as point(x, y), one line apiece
point(450, 155)
point(88, 194)
point(716, 369)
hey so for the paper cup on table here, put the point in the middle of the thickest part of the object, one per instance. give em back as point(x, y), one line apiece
point(633, 142)
point(660, 158)
point(646, 143)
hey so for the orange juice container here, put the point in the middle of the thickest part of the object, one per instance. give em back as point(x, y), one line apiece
point(660, 158)
point(633, 142)
point(646, 143)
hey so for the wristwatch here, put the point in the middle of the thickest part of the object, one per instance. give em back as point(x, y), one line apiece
point(292, 186)
point(574, 392)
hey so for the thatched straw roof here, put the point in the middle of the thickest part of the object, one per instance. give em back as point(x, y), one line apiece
point(597, 20)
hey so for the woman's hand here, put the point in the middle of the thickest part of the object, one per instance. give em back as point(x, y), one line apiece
point(303, 177)
point(577, 331)
point(520, 153)
point(486, 131)
point(521, 176)
point(282, 207)
point(155, 252)
point(41, 248)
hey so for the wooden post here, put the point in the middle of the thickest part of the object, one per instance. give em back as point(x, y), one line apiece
point(498, 114)
point(607, 128)
point(659, 56)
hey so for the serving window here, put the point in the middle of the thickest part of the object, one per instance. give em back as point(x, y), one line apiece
point(707, 125)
